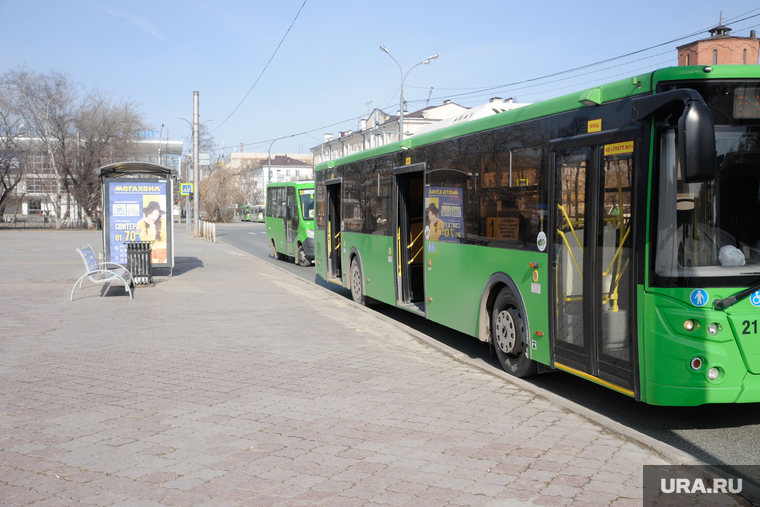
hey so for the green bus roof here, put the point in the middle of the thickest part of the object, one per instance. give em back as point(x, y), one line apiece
point(296, 184)
point(636, 85)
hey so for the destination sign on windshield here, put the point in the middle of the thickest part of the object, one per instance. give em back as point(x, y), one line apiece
point(747, 101)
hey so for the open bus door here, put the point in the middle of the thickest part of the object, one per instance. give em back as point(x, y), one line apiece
point(334, 227)
point(409, 241)
point(291, 221)
point(593, 286)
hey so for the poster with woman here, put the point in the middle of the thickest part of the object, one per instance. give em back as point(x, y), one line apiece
point(444, 220)
point(136, 210)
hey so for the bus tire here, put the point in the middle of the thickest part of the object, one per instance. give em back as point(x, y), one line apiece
point(301, 257)
point(507, 335)
point(357, 287)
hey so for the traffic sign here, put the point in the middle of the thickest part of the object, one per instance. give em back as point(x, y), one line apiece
point(186, 189)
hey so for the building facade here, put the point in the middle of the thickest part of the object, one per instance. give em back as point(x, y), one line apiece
point(39, 185)
point(380, 128)
point(258, 169)
point(721, 48)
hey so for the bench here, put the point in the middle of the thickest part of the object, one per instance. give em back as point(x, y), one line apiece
point(98, 274)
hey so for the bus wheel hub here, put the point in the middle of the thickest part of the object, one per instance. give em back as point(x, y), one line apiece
point(506, 333)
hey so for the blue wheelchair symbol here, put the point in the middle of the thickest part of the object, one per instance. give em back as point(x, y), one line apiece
point(431, 248)
point(699, 297)
point(755, 298)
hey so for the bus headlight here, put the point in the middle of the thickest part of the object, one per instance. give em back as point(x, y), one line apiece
point(713, 373)
point(714, 329)
point(689, 325)
point(310, 233)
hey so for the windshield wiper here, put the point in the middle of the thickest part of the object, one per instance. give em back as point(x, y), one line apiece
point(722, 304)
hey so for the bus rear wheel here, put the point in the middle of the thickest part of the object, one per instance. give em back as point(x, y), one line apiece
point(301, 257)
point(277, 255)
point(507, 334)
point(357, 293)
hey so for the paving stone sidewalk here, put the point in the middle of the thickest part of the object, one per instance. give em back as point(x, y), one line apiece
point(233, 383)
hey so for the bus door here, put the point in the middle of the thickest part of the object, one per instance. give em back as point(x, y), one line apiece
point(593, 285)
point(334, 228)
point(291, 221)
point(409, 240)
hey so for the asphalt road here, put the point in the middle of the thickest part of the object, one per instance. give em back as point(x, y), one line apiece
point(721, 435)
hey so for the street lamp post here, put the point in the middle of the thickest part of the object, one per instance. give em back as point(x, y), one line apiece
point(401, 98)
point(195, 171)
point(269, 163)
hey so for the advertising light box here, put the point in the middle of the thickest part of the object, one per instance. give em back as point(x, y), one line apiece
point(138, 209)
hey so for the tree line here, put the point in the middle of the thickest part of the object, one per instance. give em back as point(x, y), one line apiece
point(52, 139)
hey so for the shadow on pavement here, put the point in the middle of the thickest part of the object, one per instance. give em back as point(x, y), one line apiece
point(183, 265)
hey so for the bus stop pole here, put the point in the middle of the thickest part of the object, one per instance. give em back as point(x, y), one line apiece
point(196, 154)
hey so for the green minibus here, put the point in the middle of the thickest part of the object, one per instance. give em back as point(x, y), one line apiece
point(289, 221)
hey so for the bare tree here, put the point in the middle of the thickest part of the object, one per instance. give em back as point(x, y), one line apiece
point(13, 148)
point(67, 138)
point(221, 194)
point(106, 133)
point(46, 103)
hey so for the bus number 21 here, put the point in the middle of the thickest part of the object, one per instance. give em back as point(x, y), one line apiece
point(747, 325)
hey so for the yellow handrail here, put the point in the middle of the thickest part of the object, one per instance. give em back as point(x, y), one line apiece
point(415, 256)
point(415, 239)
point(617, 253)
point(398, 249)
point(571, 226)
point(564, 238)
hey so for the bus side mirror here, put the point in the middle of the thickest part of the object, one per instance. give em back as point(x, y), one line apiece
point(696, 143)
point(696, 129)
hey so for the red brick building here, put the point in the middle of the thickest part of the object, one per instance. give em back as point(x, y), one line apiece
point(721, 49)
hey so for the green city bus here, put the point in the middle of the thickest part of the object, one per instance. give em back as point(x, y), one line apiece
point(245, 213)
point(610, 233)
point(289, 221)
point(252, 213)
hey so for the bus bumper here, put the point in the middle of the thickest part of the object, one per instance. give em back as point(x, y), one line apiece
point(668, 372)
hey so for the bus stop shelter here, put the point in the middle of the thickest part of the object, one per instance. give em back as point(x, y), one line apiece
point(137, 207)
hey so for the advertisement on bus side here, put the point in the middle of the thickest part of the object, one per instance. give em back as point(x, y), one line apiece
point(444, 219)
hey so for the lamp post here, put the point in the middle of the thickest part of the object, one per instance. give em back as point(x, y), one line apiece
point(269, 162)
point(196, 170)
point(401, 98)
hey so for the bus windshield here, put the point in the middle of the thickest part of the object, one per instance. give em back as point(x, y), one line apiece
point(307, 203)
point(711, 229)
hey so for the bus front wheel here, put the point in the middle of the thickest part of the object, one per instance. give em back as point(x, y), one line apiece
point(301, 257)
point(507, 334)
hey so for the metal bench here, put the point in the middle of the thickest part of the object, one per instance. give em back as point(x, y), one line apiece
point(98, 274)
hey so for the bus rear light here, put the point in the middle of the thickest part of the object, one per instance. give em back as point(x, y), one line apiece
point(713, 374)
point(689, 325)
point(696, 363)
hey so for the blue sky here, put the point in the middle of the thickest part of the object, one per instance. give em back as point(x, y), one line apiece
point(329, 70)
